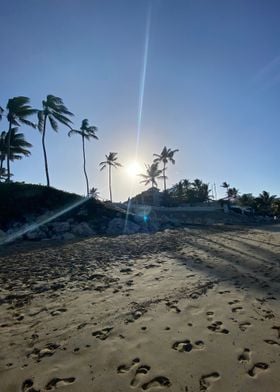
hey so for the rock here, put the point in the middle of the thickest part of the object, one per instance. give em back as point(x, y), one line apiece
point(82, 229)
point(35, 235)
point(120, 226)
point(68, 236)
point(61, 227)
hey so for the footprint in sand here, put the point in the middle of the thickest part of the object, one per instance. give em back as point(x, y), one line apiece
point(156, 382)
point(142, 370)
point(245, 356)
point(257, 369)
point(237, 309)
point(59, 382)
point(272, 342)
point(187, 346)
point(277, 328)
point(47, 351)
point(244, 326)
point(27, 386)
point(235, 301)
point(58, 311)
point(210, 315)
point(217, 326)
point(127, 368)
point(103, 333)
point(206, 381)
point(173, 307)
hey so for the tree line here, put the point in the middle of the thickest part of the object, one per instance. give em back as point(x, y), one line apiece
point(53, 113)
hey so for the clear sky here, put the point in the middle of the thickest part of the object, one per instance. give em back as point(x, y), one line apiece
point(212, 87)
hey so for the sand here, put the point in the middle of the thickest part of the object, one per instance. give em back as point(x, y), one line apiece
point(193, 309)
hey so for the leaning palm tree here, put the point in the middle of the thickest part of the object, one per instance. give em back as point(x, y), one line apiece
point(87, 132)
point(165, 156)
point(56, 112)
point(111, 161)
point(18, 110)
point(151, 175)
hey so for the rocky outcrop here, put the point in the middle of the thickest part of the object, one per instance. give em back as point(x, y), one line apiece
point(121, 226)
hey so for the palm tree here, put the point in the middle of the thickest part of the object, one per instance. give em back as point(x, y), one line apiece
point(94, 193)
point(111, 161)
point(225, 185)
point(56, 112)
point(265, 201)
point(19, 147)
point(165, 156)
point(87, 132)
point(18, 109)
point(232, 193)
point(151, 175)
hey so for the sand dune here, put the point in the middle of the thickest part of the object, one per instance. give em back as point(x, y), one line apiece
point(181, 310)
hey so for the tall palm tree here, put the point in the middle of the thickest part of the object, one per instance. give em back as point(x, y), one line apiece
point(56, 112)
point(165, 156)
point(151, 175)
point(111, 161)
point(87, 132)
point(18, 110)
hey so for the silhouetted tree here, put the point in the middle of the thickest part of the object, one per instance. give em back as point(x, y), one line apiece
point(165, 156)
point(87, 132)
point(94, 193)
point(264, 202)
point(19, 147)
point(54, 111)
point(152, 174)
point(111, 161)
point(18, 110)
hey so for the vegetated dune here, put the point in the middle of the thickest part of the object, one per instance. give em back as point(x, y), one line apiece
point(180, 310)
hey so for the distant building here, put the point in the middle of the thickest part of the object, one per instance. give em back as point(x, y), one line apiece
point(151, 196)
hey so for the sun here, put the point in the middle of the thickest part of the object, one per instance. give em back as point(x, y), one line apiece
point(133, 169)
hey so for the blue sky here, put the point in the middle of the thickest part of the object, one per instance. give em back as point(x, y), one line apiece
point(212, 87)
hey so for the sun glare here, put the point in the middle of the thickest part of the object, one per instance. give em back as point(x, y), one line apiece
point(133, 169)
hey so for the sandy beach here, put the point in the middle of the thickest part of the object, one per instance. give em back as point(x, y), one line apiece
point(194, 309)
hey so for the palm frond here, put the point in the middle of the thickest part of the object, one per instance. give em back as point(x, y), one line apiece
point(53, 123)
point(62, 119)
point(27, 122)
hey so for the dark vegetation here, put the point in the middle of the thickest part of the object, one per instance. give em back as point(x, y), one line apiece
point(24, 203)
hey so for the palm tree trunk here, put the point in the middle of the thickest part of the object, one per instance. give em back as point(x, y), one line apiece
point(110, 183)
point(84, 156)
point(1, 167)
point(45, 152)
point(164, 178)
point(9, 151)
